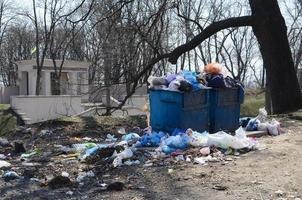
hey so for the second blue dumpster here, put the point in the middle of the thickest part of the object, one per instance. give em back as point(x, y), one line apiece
point(225, 108)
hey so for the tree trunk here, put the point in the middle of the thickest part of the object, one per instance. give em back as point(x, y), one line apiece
point(271, 33)
point(268, 100)
point(107, 66)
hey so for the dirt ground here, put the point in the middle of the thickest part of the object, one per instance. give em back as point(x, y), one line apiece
point(274, 172)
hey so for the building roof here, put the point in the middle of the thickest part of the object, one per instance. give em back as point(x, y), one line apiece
point(49, 63)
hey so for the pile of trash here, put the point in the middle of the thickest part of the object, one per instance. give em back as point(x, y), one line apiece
point(127, 150)
point(261, 123)
point(183, 140)
point(213, 76)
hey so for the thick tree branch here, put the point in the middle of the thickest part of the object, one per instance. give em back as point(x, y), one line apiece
point(207, 32)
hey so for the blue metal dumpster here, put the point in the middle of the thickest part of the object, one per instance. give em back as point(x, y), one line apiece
point(225, 109)
point(171, 109)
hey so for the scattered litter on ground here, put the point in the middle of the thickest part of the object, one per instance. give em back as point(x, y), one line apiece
point(4, 164)
point(10, 175)
point(65, 174)
point(279, 193)
point(199, 160)
point(28, 155)
point(110, 138)
point(121, 131)
point(46, 132)
point(220, 187)
point(84, 176)
point(4, 142)
point(205, 151)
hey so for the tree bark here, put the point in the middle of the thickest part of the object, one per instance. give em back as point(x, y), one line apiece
point(268, 99)
point(271, 33)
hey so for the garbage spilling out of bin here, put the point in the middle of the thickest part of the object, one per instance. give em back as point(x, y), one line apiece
point(214, 75)
point(208, 100)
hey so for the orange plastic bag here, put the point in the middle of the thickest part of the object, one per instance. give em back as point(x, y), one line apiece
point(213, 68)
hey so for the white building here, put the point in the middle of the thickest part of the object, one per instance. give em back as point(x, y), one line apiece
point(74, 78)
point(52, 102)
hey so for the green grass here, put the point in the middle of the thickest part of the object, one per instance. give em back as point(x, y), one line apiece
point(252, 103)
point(8, 123)
point(4, 106)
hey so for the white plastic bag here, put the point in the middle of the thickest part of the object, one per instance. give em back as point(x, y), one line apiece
point(262, 115)
point(274, 127)
point(197, 139)
point(254, 123)
point(174, 85)
point(263, 126)
point(224, 140)
point(200, 160)
point(118, 161)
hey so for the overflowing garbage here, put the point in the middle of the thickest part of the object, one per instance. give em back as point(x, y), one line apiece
point(213, 76)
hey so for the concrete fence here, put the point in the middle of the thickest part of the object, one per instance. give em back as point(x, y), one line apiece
point(6, 93)
point(42, 108)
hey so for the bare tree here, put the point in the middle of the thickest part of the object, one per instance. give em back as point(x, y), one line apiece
point(7, 67)
point(54, 11)
point(124, 42)
point(293, 10)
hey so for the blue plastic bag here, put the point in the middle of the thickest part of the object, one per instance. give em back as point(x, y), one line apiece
point(252, 125)
point(174, 143)
point(130, 136)
point(216, 81)
point(151, 139)
point(190, 76)
point(244, 121)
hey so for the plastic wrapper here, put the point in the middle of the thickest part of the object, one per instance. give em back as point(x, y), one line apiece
point(225, 141)
point(197, 139)
point(274, 128)
point(130, 137)
point(118, 161)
